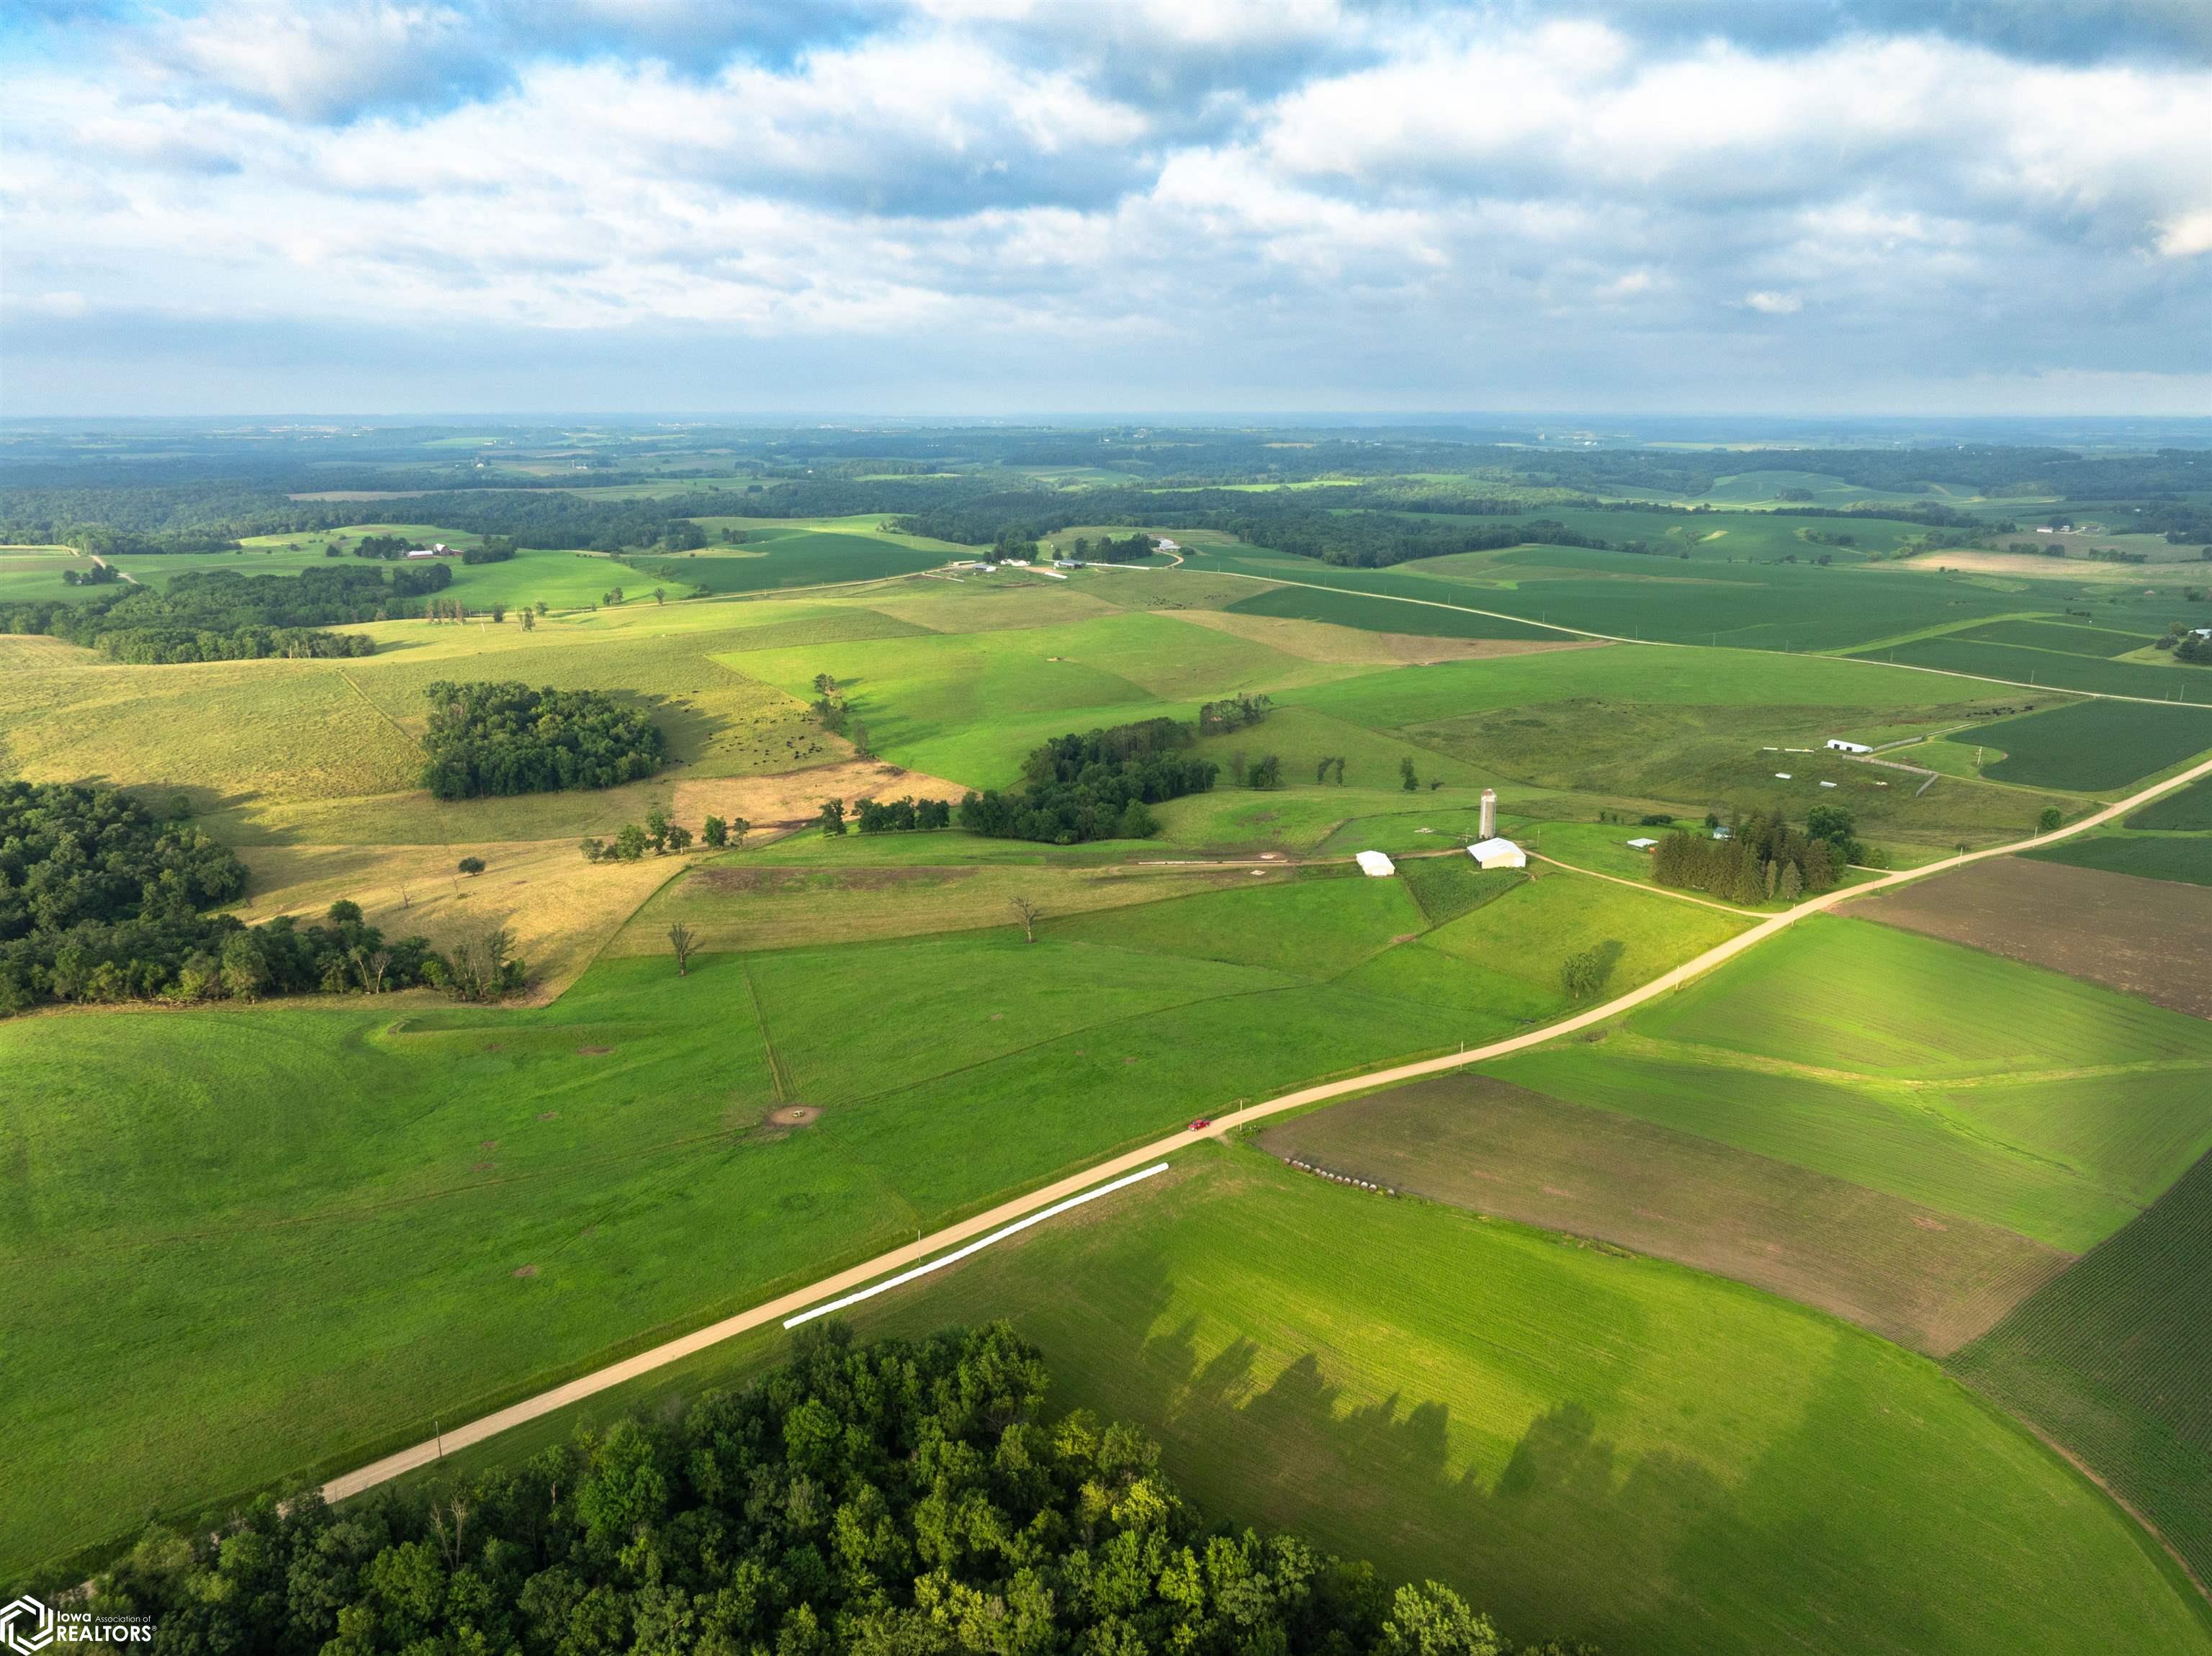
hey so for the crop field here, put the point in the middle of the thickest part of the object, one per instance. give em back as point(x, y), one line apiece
point(1593, 1446)
point(778, 557)
point(1926, 1280)
point(2182, 857)
point(2045, 669)
point(323, 1210)
point(2096, 745)
point(34, 574)
point(2084, 914)
point(2188, 809)
point(2110, 1361)
point(1381, 614)
point(1956, 1080)
point(2063, 637)
point(1763, 605)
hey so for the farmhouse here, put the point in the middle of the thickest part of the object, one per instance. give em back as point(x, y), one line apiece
point(1498, 853)
point(1375, 865)
point(1839, 745)
point(439, 549)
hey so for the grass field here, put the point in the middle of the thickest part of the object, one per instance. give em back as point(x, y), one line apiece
point(1381, 614)
point(788, 556)
point(2110, 1359)
point(2095, 745)
point(1959, 1081)
point(320, 1208)
point(2065, 637)
point(1590, 1445)
point(2183, 856)
point(2050, 668)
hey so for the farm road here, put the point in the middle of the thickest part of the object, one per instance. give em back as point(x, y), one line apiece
point(423, 1454)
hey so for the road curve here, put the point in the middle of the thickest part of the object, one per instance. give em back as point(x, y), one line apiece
point(476, 1431)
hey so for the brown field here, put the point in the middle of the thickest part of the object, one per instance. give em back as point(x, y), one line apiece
point(794, 797)
point(1929, 1281)
point(560, 909)
point(749, 906)
point(1321, 640)
point(2146, 938)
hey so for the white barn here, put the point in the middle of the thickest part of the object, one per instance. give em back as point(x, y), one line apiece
point(1375, 864)
point(1498, 853)
point(1837, 744)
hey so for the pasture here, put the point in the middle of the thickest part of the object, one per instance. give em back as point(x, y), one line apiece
point(337, 1221)
point(2096, 746)
point(2110, 1360)
point(1589, 1444)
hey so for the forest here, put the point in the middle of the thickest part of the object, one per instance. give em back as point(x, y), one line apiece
point(1759, 857)
point(893, 1499)
point(101, 901)
point(225, 615)
point(487, 738)
point(1094, 787)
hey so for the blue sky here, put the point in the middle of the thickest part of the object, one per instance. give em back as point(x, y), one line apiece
point(962, 209)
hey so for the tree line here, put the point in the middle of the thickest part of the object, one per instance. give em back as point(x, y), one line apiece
point(507, 738)
point(225, 615)
point(891, 1498)
point(101, 901)
point(1097, 786)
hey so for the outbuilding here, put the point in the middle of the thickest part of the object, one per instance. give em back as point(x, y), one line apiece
point(1645, 843)
point(1498, 853)
point(1837, 744)
point(1376, 864)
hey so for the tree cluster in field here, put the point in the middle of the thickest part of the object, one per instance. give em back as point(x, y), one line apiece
point(665, 838)
point(905, 814)
point(2183, 641)
point(1235, 713)
point(101, 902)
point(1094, 787)
point(1131, 548)
point(1584, 974)
point(508, 738)
point(100, 574)
point(830, 707)
point(1763, 858)
point(223, 614)
point(883, 1500)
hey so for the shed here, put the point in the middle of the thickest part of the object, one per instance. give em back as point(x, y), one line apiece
point(1498, 853)
point(1839, 745)
point(1375, 862)
point(1645, 844)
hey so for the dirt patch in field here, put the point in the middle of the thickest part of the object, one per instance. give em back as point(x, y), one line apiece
point(2146, 938)
point(794, 798)
point(770, 881)
point(525, 1271)
point(793, 1115)
point(1321, 640)
point(1886, 1264)
point(594, 1051)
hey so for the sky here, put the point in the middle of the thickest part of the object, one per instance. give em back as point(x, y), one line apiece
point(1901, 207)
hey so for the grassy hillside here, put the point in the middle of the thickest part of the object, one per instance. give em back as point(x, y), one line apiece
point(1592, 1444)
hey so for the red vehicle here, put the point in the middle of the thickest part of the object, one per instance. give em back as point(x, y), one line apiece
point(1202, 1122)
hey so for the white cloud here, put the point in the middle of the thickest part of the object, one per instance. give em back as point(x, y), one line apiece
point(1467, 198)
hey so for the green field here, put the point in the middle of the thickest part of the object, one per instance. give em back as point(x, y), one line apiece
point(2187, 857)
point(2094, 745)
point(785, 556)
point(1382, 614)
point(2063, 637)
point(1963, 1082)
point(1590, 1445)
point(2047, 669)
point(2188, 809)
point(320, 1208)
point(2111, 1360)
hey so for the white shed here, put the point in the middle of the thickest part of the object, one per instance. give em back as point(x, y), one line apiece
point(1498, 853)
point(1645, 844)
point(1376, 864)
point(1839, 745)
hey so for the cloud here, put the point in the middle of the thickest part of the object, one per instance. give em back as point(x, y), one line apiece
point(1479, 207)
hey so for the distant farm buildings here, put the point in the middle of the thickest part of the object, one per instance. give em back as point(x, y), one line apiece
point(1498, 853)
point(1375, 865)
point(437, 549)
point(1837, 744)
